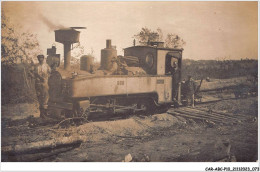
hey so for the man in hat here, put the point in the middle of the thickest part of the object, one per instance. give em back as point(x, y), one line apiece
point(175, 71)
point(41, 73)
point(190, 91)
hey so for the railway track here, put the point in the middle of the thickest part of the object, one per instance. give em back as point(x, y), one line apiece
point(201, 113)
point(198, 113)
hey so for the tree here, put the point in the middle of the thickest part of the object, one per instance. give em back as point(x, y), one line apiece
point(147, 35)
point(77, 51)
point(174, 41)
point(17, 46)
point(18, 50)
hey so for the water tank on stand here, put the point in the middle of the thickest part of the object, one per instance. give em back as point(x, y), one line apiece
point(107, 55)
point(67, 36)
point(86, 63)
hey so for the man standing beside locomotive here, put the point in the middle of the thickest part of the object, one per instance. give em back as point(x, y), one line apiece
point(175, 80)
point(190, 91)
point(41, 74)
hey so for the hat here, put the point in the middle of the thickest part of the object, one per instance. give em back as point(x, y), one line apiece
point(40, 56)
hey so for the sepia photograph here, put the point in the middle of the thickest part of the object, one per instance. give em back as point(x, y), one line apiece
point(121, 81)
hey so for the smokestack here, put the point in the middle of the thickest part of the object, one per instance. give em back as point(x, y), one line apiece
point(107, 55)
point(108, 42)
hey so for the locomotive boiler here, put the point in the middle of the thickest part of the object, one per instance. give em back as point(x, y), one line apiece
point(80, 94)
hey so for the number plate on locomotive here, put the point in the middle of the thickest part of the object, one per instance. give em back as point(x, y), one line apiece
point(160, 81)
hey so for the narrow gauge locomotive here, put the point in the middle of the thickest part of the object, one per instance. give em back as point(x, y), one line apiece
point(81, 94)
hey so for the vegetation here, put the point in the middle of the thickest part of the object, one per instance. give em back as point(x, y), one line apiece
point(147, 35)
point(77, 51)
point(201, 69)
point(17, 46)
point(18, 51)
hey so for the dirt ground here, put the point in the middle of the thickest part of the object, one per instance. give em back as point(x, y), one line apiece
point(141, 138)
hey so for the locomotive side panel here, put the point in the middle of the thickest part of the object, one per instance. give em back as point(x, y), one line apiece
point(168, 89)
point(113, 85)
point(121, 85)
point(98, 86)
point(141, 85)
point(163, 88)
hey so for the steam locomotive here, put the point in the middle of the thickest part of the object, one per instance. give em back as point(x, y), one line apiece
point(80, 94)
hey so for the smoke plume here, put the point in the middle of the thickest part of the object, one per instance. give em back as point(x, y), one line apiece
point(50, 24)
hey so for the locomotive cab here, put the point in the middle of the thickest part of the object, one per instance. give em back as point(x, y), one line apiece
point(156, 60)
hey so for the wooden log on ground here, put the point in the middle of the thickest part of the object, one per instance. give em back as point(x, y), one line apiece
point(41, 145)
point(33, 157)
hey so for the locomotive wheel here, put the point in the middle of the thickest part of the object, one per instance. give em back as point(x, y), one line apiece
point(147, 106)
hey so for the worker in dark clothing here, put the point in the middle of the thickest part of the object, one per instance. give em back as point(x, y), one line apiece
point(54, 82)
point(175, 71)
point(190, 91)
point(41, 74)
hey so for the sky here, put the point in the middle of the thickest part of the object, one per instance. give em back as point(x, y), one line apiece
point(212, 30)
